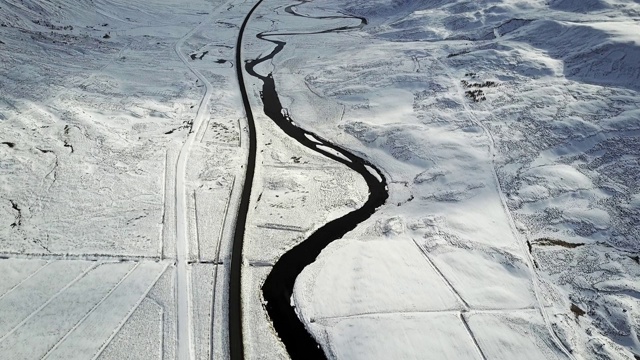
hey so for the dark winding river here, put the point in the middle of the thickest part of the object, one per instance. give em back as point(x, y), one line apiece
point(278, 287)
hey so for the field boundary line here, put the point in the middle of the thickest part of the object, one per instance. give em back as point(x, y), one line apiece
point(83, 274)
point(473, 337)
point(55, 346)
point(441, 275)
point(128, 316)
point(24, 280)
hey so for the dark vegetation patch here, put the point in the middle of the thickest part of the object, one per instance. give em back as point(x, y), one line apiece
point(185, 125)
point(557, 242)
point(228, 25)
point(485, 84)
point(511, 25)
point(49, 25)
point(53, 37)
point(458, 53)
point(106, 36)
point(66, 141)
point(221, 61)
point(577, 311)
point(475, 95)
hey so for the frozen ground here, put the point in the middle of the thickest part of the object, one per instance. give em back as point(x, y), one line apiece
point(508, 132)
point(124, 139)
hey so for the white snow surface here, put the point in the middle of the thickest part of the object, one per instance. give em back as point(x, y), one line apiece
point(507, 131)
point(121, 142)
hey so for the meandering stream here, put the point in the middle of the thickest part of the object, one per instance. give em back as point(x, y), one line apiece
point(278, 287)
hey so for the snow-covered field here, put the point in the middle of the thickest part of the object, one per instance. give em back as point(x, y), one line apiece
point(97, 102)
point(68, 309)
point(508, 132)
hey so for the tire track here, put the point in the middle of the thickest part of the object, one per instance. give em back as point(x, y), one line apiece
point(52, 298)
point(24, 280)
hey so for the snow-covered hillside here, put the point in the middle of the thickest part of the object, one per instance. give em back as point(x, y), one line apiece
point(120, 143)
point(85, 109)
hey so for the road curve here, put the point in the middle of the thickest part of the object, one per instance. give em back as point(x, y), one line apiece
point(236, 348)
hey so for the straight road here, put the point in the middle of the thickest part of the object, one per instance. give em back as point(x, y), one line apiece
point(235, 288)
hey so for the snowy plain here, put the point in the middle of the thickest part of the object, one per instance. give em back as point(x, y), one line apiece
point(507, 130)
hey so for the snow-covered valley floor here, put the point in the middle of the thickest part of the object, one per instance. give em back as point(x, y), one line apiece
point(507, 131)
